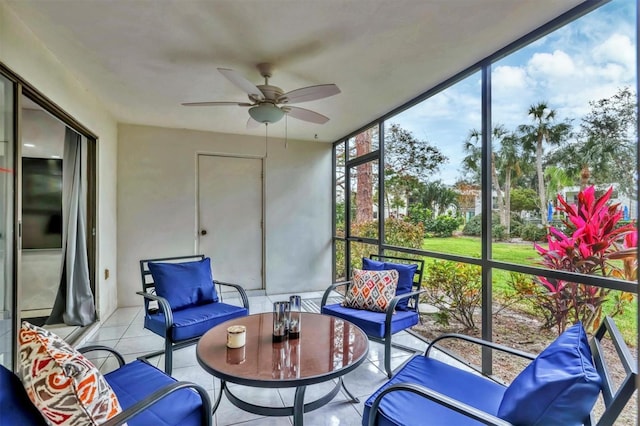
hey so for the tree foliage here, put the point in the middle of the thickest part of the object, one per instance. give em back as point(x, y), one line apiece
point(523, 199)
point(604, 150)
point(406, 155)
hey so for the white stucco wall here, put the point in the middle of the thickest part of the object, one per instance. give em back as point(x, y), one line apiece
point(25, 55)
point(157, 203)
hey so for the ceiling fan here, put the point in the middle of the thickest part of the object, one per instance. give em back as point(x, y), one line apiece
point(270, 103)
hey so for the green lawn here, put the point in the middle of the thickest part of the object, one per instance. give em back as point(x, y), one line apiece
point(523, 254)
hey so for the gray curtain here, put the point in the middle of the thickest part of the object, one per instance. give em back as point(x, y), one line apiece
point(74, 303)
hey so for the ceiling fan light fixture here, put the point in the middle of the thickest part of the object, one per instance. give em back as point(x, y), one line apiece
point(266, 113)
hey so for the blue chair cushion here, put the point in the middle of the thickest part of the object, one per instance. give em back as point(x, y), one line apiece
point(559, 387)
point(372, 323)
point(408, 409)
point(372, 265)
point(184, 284)
point(406, 273)
point(137, 380)
point(15, 405)
point(195, 321)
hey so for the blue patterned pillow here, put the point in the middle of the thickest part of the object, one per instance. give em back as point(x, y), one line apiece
point(559, 387)
point(184, 284)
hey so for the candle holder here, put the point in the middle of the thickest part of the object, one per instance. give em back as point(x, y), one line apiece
point(295, 316)
point(236, 336)
point(280, 321)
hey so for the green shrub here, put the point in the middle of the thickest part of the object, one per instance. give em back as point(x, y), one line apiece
point(498, 232)
point(533, 232)
point(417, 214)
point(516, 225)
point(455, 289)
point(474, 227)
point(443, 225)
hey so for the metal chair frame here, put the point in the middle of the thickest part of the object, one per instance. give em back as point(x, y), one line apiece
point(614, 397)
point(412, 305)
point(155, 397)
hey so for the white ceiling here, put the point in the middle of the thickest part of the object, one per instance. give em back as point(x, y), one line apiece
point(143, 58)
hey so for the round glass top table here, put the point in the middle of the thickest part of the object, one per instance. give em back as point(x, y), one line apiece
point(328, 348)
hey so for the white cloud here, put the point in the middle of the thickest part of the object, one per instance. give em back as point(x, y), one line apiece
point(617, 48)
point(507, 78)
point(551, 65)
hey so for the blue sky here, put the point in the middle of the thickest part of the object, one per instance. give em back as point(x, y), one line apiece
point(588, 59)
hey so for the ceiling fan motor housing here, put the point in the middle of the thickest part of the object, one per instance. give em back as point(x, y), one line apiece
point(271, 93)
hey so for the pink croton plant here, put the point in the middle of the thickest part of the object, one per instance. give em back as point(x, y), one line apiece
point(595, 246)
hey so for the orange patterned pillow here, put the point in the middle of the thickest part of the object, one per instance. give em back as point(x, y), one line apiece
point(372, 290)
point(64, 385)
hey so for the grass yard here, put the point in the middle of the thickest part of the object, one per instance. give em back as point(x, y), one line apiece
point(523, 254)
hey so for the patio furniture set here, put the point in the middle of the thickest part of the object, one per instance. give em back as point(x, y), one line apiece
point(57, 385)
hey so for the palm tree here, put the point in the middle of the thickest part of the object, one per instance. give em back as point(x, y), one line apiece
point(471, 163)
point(534, 136)
point(504, 161)
point(510, 157)
point(437, 197)
point(556, 179)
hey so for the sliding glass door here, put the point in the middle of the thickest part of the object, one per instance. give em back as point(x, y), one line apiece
point(40, 254)
point(7, 137)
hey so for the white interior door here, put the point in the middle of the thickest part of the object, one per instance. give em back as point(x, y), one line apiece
point(230, 218)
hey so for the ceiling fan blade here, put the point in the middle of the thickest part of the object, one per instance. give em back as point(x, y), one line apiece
point(242, 104)
point(306, 115)
point(236, 78)
point(311, 93)
point(252, 124)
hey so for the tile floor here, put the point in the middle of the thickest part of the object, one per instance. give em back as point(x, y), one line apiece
point(124, 331)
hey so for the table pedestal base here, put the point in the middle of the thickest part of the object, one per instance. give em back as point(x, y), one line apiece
point(297, 410)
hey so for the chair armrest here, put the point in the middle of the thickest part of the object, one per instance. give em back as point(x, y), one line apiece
point(441, 399)
point(331, 288)
point(90, 348)
point(157, 396)
point(164, 306)
point(392, 306)
point(398, 298)
point(239, 289)
point(481, 342)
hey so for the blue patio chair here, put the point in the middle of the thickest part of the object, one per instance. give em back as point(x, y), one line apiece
point(401, 313)
point(559, 387)
point(181, 302)
point(146, 394)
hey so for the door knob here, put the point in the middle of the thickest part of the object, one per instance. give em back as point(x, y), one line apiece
point(203, 232)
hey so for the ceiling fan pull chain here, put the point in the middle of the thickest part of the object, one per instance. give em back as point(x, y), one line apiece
point(286, 131)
